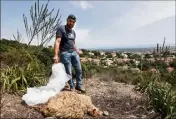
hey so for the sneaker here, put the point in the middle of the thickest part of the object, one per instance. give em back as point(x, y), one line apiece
point(82, 90)
point(72, 90)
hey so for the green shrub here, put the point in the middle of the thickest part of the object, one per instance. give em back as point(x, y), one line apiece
point(147, 56)
point(16, 57)
point(145, 79)
point(173, 64)
point(144, 65)
point(118, 55)
point(109, 56)
point(85, 53)
point(169, 77)
point(135, 56)
point(162, 95)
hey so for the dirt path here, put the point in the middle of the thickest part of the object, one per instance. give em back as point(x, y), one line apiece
point(120, 100)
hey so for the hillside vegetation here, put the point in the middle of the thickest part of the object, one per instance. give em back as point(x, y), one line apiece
point(23, 66)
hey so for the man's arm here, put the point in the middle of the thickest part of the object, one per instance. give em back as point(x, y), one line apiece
point(78, 51)
point(56, 46)
point(75, 47)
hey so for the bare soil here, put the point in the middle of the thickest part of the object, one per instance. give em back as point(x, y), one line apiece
point(118, 99)
point(13, 107)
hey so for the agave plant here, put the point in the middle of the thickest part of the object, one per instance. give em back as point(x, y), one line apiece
point(145, 79)
point(163, 99)
point(16, 79)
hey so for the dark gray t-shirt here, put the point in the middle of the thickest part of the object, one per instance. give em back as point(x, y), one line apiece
point(67, 38)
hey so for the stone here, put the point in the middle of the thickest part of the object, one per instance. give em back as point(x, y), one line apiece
point(49, 118)
point(105, 113)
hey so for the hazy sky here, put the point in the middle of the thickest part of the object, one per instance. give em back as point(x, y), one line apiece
point(103, 24)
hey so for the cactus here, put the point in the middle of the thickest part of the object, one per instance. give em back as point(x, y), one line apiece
point(163, 44)
point(154, 51)
point(162, 50)
point(157, 48)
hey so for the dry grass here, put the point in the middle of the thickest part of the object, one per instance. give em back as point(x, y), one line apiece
point(127, 77)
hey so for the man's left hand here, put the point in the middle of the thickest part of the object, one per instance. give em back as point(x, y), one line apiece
point(79, 52)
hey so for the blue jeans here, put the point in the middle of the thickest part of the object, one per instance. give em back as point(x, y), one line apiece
point(70, 59)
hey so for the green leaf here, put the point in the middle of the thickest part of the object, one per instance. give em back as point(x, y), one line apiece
point(15, 80)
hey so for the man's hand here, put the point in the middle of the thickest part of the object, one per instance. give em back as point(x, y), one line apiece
point(79, 52)
point(56, 59)
point(56, 49)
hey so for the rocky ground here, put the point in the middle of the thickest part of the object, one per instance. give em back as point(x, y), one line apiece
point(118, 99)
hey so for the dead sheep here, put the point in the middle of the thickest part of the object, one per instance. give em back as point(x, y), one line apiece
point(68, 104)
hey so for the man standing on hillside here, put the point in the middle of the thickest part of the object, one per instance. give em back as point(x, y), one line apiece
point(69, 54)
